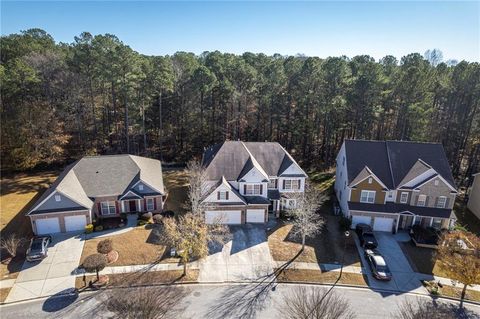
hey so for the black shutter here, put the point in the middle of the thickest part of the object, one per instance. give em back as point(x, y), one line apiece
point(261, 189)
point(226, 196)
point(283, 184)
point(218, 195)
point(244, 189)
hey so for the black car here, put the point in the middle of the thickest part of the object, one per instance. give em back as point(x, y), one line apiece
point(378, 265)
point(38, 249)
point(366, 237)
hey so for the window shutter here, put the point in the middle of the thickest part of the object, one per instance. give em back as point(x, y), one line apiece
point(416, 200)
point(283, 184)
point(226, 195)
point(244, 189)
point(145, 204)
point(299, 183)
point(99, 208)
point(447, 203)
point(155, 204)
point(117, 210)
point(261, 189)
point(436, 202)
point(218, 195)
point(426, 200)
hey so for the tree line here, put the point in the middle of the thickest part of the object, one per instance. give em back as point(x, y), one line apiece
point(96, 95)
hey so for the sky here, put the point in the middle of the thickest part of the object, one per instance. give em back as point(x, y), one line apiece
point(314, 28)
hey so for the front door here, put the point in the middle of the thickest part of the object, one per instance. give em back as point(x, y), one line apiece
point(132, 206)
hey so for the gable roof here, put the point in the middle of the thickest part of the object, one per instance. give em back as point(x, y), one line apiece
point(233, 159)
point(393, 162)
point(96, 176)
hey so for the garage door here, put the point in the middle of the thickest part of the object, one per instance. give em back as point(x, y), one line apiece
point(383, 224)
point(47, 226)
point(230, 217)
point(75, 223)
point(255, 215)
point(360, 220)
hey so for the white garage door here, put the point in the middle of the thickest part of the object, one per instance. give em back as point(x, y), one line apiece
point(383, 224)
point(75, 223)
point(223, 217)
point(360, 220)
point(255, 215)
point(47, 226)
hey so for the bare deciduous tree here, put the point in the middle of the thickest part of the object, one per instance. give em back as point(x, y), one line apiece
point(313, 302)
point(11, 244)
point(190, 235)
point(424, 309)
point(306, 220)
point(197, 188)
point(145, 302)
point(460, 257)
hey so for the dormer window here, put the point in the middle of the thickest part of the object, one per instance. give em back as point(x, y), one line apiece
point(140, 187)
point(58, 198)
point(222, 195)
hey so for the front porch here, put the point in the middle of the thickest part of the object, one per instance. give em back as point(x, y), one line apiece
point(407, 220)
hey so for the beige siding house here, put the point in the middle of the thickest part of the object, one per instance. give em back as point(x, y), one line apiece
point(474, 196)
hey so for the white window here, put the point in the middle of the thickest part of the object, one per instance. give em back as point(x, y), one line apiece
point(150, 204)
point(291, 184)
point(390, 194)
point(421, 200)
point(404, 197)
point(437, 223)
point(58, 198)
point(253, 189)
point(222, 195)
point(442, 201)
point(370, 180)
point(108, 208)
point(436, 182)
point(367, 197)
point(140, 187)
point(272, 184)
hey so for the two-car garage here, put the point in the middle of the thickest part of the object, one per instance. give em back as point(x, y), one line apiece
point(378, 223)
point(236, 217)
point(59, 222)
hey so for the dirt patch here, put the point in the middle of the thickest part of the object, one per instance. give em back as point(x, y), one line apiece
point(330, 277)
point(143, 278)
point(327, 247)
point(176, 183)
point(4, 294)
point(135, 247)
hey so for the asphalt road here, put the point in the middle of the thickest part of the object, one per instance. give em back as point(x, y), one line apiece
point(222, 301)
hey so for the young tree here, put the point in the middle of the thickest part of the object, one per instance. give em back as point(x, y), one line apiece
point(95, 263)
point(11, 244)
point(145, 302)
point(306, 220)
point(311, 302)
point(460, 257)
point(190, 235)
point(197, 187)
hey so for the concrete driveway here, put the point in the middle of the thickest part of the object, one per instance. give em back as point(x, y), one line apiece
point(54, 274)
point(404, 279)
point(245, 257)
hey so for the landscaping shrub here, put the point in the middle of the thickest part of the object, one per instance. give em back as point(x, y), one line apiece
point(99, 228)
point(146, 216)
point(345, 223)
point(123, 216)
point(105, 246)
point(157, 219)
point(141, 222)
point(89, 228)
point(168, 213)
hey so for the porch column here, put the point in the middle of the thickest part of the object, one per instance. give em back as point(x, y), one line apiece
point(396, 223)
point(413, 220)
point(139, 206)
point(123, 206)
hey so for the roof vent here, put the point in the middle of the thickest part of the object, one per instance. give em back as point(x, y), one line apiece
point(96, 172)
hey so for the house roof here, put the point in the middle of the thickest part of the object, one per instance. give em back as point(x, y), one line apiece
point(395, 208)
point(392, 161)
point(233, 159)
point(111, 175)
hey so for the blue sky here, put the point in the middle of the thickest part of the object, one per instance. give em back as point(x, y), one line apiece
point(312, 28)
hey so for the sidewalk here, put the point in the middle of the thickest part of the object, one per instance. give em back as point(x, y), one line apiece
point(320, 267)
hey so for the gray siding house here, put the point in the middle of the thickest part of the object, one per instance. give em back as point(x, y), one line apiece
point(98, 187)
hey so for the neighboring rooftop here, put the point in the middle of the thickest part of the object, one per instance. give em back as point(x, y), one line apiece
point(233, 159)
point(391, 161)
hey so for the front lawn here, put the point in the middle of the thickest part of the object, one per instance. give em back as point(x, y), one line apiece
point(329, 277)
point(327, 247)
point(456, 292)
point(143, 278)
point(135, 247)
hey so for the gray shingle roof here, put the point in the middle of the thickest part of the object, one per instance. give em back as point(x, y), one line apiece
point(232, 158)
point(112, 175)
point(391, 161)
point(395, 208)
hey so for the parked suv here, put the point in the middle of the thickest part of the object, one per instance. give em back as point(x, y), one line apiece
point(38, 249)
point(366, 237)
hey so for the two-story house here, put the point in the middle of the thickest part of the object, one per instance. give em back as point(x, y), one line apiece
point(98, 187)
point(393, 185)
point(246, 180)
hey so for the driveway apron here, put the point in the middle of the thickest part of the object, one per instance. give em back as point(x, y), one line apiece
point(53, 275)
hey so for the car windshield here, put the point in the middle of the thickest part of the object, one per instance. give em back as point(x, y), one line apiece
point(367, 235)
point(382, 269)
